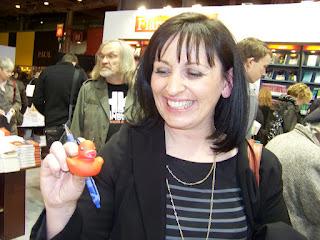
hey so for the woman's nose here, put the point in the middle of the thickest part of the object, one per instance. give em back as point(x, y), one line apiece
point(175, 84)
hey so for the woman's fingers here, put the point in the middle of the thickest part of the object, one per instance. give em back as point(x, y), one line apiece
point(60, 154)
point(71, 149)
point(50, 166)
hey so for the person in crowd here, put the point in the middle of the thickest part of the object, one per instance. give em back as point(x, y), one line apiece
point(104, 100)
point(288, 105)
point(256, 56)
point(18, 81)
point(315, 104)
point(52, 94)
point(33, 82)
point(10, 101)
point(181, 169)
point(264, 114)
point(299, 154)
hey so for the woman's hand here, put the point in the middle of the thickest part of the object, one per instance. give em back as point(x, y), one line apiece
point(2, 112)
point(60, 189)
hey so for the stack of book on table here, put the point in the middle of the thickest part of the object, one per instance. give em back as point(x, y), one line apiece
point(17, 153)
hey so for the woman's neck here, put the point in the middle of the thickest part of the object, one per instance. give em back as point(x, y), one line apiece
point(189, 145)
point(193, 146)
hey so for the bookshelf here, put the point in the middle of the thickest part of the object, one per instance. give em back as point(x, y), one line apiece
point(292, 63)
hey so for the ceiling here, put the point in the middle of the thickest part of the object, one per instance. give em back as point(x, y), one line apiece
point(34, 15)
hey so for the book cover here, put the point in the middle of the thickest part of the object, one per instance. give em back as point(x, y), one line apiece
point(317, 78)
point(292, 76)
point(307, 76)
point(280, 75)
point(312, 60)
point(293, 59)
point(278, 58)
point(269, 74)
point(315, 93)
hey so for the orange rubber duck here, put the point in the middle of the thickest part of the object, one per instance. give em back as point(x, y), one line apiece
point(86, 163)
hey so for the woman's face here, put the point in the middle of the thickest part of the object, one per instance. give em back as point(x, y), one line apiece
point(185, 93)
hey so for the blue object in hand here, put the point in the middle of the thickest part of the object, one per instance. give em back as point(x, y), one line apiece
point(90, 183)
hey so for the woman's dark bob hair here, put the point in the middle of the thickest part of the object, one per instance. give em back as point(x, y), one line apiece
point(230, 118)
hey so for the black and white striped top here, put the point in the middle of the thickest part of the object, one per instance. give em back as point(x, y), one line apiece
point(192, 203)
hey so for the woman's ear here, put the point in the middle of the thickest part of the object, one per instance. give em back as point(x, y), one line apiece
point(227, 84)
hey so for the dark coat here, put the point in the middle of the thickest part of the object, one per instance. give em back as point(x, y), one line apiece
point(264, 116)
point(132, 190)
point(52, 92)
point(289, 111)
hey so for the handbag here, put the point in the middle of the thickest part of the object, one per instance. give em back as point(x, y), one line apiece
point(254, 156)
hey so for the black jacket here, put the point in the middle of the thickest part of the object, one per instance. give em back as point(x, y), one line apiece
point(132, 189)
point(52, 92)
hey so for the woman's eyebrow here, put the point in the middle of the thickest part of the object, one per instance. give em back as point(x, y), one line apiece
point(163, 61)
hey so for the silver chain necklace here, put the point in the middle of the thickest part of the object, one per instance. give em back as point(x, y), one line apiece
point(213, 168)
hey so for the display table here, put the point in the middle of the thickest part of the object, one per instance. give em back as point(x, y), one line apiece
point(12, 204)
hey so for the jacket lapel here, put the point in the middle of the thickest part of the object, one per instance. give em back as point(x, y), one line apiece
point(102, 95)
point(148, 169)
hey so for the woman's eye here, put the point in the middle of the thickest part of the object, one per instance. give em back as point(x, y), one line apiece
point(161, 71)
point(194, 73)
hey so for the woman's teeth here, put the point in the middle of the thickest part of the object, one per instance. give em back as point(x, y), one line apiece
point(179, 104)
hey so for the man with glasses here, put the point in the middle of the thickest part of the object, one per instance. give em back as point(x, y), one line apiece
point(104, 100)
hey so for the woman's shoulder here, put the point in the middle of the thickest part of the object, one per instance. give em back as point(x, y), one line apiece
point(268, 162)
point(126, 137)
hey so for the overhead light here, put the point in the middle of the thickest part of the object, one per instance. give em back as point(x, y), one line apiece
point(196, 6)
point(142, 8)
point(41, 22)
point(46, 3)
point(79, 0)
point(18, 6)
point(78, 42)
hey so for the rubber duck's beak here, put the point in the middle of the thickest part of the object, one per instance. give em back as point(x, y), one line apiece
point(90, 153)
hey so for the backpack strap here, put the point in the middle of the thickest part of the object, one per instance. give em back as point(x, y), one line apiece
point(14, 90)
point(73, 89)
point(254, 156)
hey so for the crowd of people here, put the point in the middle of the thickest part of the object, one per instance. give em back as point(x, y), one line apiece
point(173, 132)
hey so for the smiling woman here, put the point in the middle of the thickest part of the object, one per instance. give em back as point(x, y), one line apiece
point(186, 91)
point(181, 171)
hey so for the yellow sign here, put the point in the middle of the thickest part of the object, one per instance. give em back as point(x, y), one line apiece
point(151, 24)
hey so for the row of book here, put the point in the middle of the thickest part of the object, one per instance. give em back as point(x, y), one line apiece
point(311, 77)
point(17, 153)
point(285, 58)
point(289, 75)
point(311, 60)
point(276, 89)
point(282, 75)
